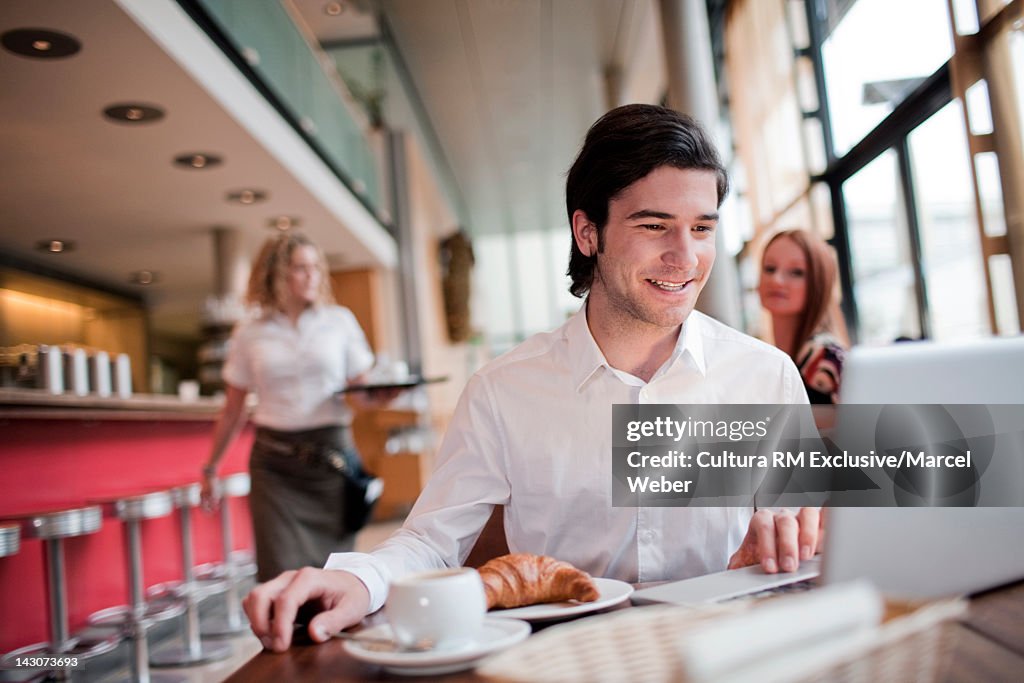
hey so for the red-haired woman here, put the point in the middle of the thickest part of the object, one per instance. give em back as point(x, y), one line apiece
point(798, 289)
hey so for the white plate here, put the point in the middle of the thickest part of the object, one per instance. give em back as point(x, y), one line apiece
point(496, 634)
point(610, 592)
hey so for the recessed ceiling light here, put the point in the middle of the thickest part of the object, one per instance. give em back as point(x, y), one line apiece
point(143, 277)
point(55, 246)
point(40, 43)
point(133, 113)
point(333, 9)
point(197, 160)
point(284, 222)
point(247, 196)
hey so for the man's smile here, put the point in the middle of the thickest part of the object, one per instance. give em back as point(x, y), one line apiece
point(670, 285)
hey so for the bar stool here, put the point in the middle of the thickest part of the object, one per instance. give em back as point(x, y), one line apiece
point(52, 528)
point(234, 621)
point(137, 618)
point(10, 539)
point(194, 650)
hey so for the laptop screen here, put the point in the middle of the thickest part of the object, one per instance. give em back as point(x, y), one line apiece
point(926, 552)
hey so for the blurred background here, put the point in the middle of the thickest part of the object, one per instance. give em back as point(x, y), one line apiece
point(150, 146)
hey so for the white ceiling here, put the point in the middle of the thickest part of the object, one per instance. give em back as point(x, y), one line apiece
point(70, 173)
point(510, 87)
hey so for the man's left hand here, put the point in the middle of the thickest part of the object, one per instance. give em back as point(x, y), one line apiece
point(780, 540)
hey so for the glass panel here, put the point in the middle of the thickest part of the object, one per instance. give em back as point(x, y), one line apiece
point(558, 261)
point(1017, 64)
point(1001, 272)
point(965, 12)
point(493, 286)
point(807, 87)
point(796, 16)
point(814, 141)
point(532, 285)
point(870, 67)
point(883, 278)
point(978, 108)
point(265, 35)
point(950, 249)
point(991, 191)
point(821, 207)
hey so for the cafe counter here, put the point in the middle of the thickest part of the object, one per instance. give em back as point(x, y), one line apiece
point(63, 451)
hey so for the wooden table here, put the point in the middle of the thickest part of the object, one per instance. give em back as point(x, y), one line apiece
point(989, 647)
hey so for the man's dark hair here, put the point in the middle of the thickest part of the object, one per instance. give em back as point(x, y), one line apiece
point(622, 147)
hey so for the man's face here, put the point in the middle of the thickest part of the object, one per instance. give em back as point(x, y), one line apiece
point(658, 247)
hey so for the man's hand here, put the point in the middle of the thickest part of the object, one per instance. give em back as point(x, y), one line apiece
point(272, 606)
point(780, 540)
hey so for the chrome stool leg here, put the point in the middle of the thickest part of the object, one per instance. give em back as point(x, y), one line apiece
point(137, 617)
point(52, 528)
point(234, 621)
point(194, 650)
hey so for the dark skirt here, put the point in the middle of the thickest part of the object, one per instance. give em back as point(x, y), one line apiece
point(297, 500)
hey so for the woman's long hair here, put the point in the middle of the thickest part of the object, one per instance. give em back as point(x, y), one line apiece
point(267, 288)
point(821, 291)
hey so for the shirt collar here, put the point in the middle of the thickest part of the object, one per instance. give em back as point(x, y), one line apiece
point(691, 342)
point(585, 356)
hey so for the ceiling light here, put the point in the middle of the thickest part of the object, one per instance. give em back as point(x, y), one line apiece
point(197, 160)
point(133, 113)
point(284, 222)
point(143, 277)
point(247, 196)
point(40, 43)
point(333, 9)
point(55, 246)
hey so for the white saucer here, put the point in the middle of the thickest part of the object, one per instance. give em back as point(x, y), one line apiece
point(496, 634)
point(610, 592)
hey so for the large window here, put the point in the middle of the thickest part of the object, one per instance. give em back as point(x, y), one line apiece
point(950, 251)
point(880, 253)
point(521, 284)
point(874, 54)
point(911, 114)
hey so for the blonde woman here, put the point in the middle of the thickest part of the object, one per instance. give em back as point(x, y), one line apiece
point(797, 287)
point(295, 355)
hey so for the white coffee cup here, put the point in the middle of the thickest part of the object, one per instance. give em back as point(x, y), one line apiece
point(445, 608)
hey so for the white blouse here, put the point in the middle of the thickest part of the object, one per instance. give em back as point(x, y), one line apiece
point(296, 370)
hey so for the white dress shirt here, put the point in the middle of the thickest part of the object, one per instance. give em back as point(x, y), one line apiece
point(296, 370)
point(532, 431)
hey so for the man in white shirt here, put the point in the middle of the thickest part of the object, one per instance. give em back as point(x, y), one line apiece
point(532, 430)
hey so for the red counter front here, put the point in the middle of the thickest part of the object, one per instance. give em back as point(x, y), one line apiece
point(54, 459)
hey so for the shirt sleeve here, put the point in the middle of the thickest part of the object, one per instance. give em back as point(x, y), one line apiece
point(358, 355)
point(793, 391)
point(470, 478)
point(237, 370)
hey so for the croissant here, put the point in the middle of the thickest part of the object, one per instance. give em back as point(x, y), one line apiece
point(524, 579)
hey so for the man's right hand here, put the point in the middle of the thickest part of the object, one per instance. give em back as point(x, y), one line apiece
point(272, 606)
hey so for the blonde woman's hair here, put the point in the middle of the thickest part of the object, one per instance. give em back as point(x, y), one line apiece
point(270, 269)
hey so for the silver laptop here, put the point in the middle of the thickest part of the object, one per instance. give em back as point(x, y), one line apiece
point(905, 552)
